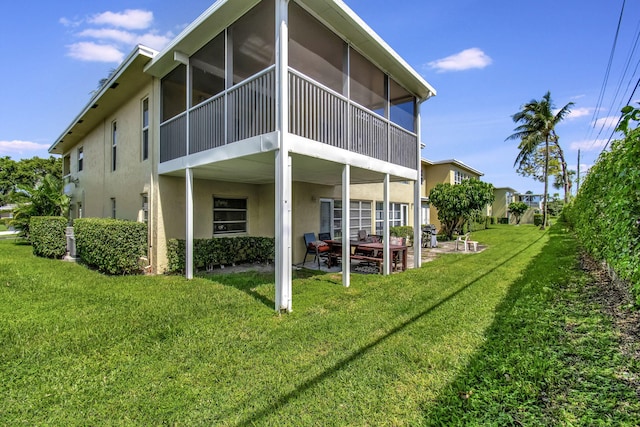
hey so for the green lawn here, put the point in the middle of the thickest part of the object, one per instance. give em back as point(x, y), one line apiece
point(499, 337)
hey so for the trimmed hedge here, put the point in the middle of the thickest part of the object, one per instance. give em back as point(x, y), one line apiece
point(47, 236)
point(110, 245)
point(220, 251)
point(537, 220)
point(606, 212)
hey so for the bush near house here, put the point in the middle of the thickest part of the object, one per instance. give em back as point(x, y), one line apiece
point(47, 235)
point(112, 246)
point(220, 251)
point(401, 231)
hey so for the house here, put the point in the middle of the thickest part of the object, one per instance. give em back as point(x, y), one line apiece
point(450, 171)
point(401, 197)
point(504, 196)
point(245, 124)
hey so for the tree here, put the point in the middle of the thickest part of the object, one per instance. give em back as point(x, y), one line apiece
point(26, 173)
point(457, 203)
point(45, 199)
point(536, 128)
point(518, 209)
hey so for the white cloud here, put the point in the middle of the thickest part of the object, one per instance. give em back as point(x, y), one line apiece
point(465, 60)
point(131, 19)
point(578, 112)
point(89, 51)
point(105, 36)
point(109, 34)
point(589, 145)
point(16, 147)
point(155, 41)
point(606, 122)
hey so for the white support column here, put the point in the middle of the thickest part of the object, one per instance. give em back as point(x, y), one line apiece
point(189, 223)
point(283, 176)
point(385, 227)
point(346, 220)
point(417, 199)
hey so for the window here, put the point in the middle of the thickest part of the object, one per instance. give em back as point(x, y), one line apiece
point(208, 70)
point(145, 129)
point(360, 213)
point(459, 177)
point(253, 41)
point(114, 145)
point(402, 108)
point(367, 84)
point(80, 158)
point(113, 208)
point(398, 215)
point(174, 92)
point(314, 50)
point(229, 215)
point(145, 208)
point(66, 165)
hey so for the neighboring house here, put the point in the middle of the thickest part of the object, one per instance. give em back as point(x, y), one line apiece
point(504, 196)
point(245, 125)
point(442, 172)
point(401, 199)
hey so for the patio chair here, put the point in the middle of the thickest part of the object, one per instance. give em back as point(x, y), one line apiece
point(316, 247)
point(466, 243)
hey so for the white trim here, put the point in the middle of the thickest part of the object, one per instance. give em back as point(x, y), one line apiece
point(346, 225)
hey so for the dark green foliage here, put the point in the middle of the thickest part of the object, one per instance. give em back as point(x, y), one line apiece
point(110, 245)
point(537, 219)
point(220, 251)
point(25, 172)
point(606, 212)
point(45, 199)
point(518, 209)
point(48, 236)
point(459, 203)
point(401, 231)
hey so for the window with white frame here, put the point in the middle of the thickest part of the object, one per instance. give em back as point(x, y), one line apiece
point(114, 145)
point(360, 217)
point(459, 177)
point(229, 215)
point(145, 207)
point(80, 158)
point(145, 129)
point(398, 215)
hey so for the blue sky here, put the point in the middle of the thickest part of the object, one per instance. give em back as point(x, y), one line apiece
point(485, 59)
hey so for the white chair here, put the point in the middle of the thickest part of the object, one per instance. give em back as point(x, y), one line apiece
point(466, 243)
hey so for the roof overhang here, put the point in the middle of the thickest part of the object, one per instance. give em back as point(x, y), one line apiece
point(460, 165)
point(126, 79)
point(333, 13)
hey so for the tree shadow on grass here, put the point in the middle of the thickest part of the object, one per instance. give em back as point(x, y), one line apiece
point(257, 416)
point(519, 376)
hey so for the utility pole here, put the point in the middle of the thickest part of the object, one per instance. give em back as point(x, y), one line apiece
point(578, 173)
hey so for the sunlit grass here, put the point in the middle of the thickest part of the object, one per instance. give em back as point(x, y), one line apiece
point(79, 348)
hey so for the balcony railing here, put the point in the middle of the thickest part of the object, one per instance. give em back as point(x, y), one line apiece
point(315, 112)
point(321, 114)
point(250, 111)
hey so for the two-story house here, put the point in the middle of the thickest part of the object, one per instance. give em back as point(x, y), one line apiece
point(244, 124)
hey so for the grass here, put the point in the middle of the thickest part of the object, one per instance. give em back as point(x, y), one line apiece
point(499, 337)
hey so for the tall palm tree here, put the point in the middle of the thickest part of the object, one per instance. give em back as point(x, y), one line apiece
point(537, 123)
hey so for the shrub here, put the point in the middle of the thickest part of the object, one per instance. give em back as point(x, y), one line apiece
point(47, 234)
point(401, 231)
point(220, 251)
point(606, 212)
point(537, 219)
point(110, 245)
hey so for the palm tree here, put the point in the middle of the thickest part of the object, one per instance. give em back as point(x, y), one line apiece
point(537, 124)
point(45, 199)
